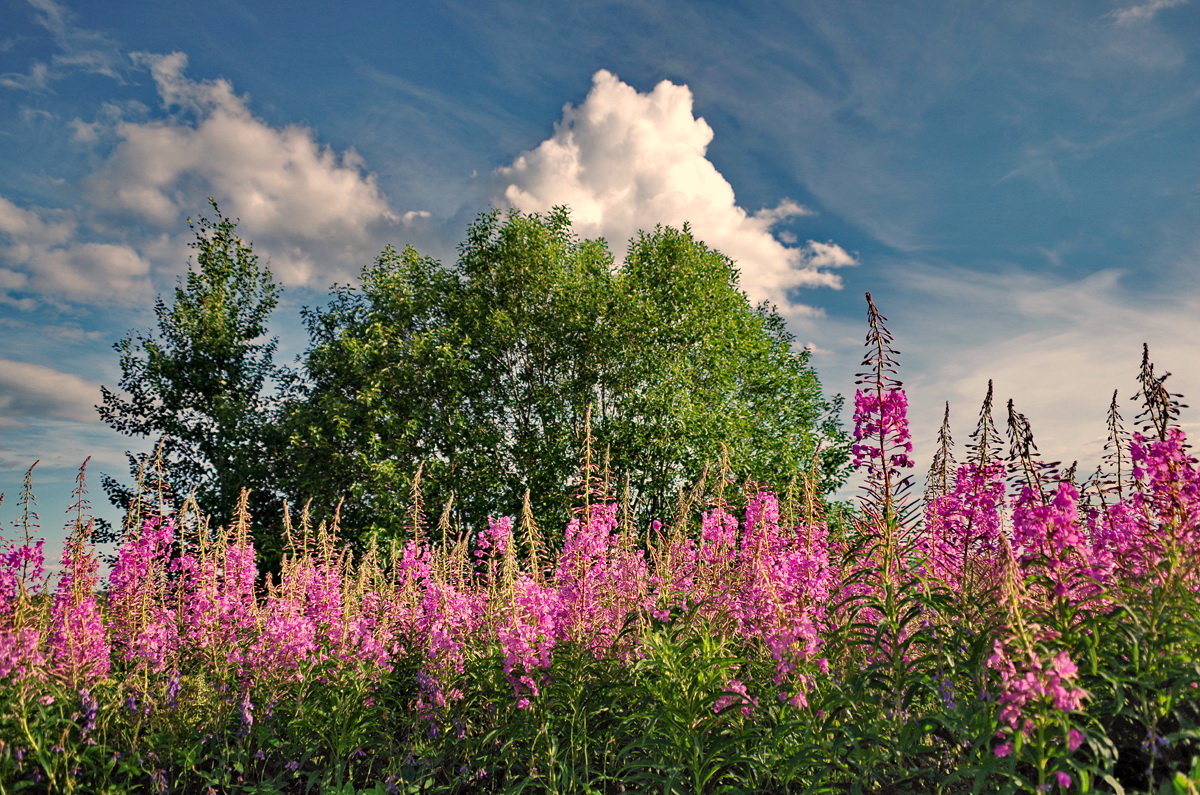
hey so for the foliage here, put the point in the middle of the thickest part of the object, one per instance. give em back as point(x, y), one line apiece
point(1002, 637)
point(202, 384)
point(483, 376)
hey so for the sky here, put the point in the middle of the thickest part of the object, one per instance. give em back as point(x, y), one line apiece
point(1016, 183)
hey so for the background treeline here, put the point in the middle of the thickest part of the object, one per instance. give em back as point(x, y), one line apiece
point(482, 376)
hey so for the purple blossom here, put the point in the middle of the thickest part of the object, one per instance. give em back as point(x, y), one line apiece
point(144, 628)
point(22, 568)
point(1033, 686)
point(961, 536)
point(78, 644)
point(529, 636)
point(881, 436)
point(736, 693)
point(494, 542)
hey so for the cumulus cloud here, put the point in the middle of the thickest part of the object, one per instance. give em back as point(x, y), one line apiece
point(26, 226)
point(42, 255)
point(34, 391)
point(624, 161)
point(306, 205)
point(314, 214)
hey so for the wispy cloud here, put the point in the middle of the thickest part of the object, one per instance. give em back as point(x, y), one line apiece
point(1144, 11)
point(625, 161)
point(1058, 346)
point(31, 391)
point(79, 50)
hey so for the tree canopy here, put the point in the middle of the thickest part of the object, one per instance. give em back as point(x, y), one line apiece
point(482, 374)
point(203, 384)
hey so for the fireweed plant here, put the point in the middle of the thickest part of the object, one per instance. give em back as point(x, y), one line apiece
point(1015, 630)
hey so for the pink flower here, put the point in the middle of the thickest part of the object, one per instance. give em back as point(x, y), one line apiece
point(1031, 686)
point(785, 584)
point(1063, 666)
point(79, 650)
point(144, 629)
point(494, 542)
point(21, 567)
point(600, 582)
point(736, 694)
point(881, 435)
point(21, 655)
point(529, 636)
point(962, 527)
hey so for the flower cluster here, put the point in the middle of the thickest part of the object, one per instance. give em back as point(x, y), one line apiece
point(1038, 697)
point(961, 536)
point(529, 636)
point(773, 591)
point(881, 436)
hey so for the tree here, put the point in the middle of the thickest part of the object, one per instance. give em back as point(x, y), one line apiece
point(202, 384)
point(482, 375)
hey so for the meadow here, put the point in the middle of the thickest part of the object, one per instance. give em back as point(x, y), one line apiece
point(1017, 627)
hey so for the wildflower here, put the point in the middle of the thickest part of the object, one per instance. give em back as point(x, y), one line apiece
point(961, 535)
point(1033, 688)
point(91, 708)
point(143, 629)
point(1052, 533)
point(247, 712)
point(21, 567)
point(735, 693)
point(529, 636)
point(21, 655)
point(881, 436)
point(494, 541)
point(786, 585)
point(79, 650)
point(174, 684)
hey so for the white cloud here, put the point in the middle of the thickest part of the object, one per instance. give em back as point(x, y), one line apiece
point(1058, 348)
point(827, 255)
point(315, 215)
point(307, 206)
point(28, 226)
point(624, 161)
point(84, 271)
point(1144, 11)
point(79, 50)
point(29, 391)
point(41, 254)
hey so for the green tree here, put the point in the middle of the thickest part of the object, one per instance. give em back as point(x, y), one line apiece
point(483, 373)
point(203, 384)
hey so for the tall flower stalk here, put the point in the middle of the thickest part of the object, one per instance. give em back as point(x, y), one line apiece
point(1010, 634)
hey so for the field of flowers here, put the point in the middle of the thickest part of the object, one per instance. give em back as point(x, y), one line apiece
point(1018, 628)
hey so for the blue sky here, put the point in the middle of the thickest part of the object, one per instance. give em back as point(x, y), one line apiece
point(1017, 183)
